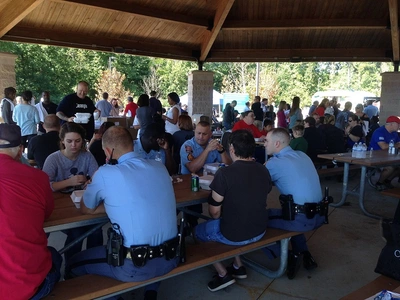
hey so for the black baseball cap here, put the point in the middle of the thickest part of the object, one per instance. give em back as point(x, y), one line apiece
point(10, 133)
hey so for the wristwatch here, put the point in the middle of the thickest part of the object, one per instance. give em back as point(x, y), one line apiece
point(221, 151)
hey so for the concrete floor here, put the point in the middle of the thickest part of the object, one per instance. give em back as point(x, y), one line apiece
point(346, 251)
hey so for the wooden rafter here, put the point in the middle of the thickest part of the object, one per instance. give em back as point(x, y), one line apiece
point(14, 11)
point(209, 37)
point(394, 24)
point(103, 43)
point(141, 11)
point(305, 24)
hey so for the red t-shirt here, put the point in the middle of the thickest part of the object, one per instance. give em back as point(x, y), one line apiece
point(320, 111)
point(252, 128)
point(26, 200)
point(132, 107)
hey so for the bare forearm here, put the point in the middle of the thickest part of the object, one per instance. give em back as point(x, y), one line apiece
point(195, 165)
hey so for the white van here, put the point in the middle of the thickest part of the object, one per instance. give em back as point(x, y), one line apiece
point(342, 96)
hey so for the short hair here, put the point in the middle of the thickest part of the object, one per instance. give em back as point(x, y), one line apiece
point(105, 95)
point(153, 131)
point(257, 97)
point(348, 105)
point(174, 97)
point(234, 102)
point(117, 137)
point(185, 122)
point(143, 100)
point(264, 99)
point(299, 129)
point(310, 121)
point(130, 99)
point(13, 151)
point(8, 91)
point(329, 119)
point(267, 122)
point(27, 96)
point(204, 124)
point(247, 103)
point(105, 126)
point(243, 143)
point(51, 121)
point(246, 113)
point(359, 106)
point(72, 127)
point(354, 117)
point(153, 93)
point(83, 82)
point(281, 134)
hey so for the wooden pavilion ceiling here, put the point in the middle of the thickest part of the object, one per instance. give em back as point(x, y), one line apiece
point(212, 30)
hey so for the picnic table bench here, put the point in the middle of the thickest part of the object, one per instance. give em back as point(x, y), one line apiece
point(197, 256)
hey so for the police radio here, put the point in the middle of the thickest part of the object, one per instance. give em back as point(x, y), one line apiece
point(115, 246)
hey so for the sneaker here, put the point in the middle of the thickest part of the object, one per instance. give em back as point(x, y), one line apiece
point(219, 283)
point(309, 261)
point(237, 273)
point(380, 186)
point(294, 263)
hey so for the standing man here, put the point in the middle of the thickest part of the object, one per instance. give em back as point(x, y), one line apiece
point(258, 112)
point(41, 146)
point(154, 103)
point(229, 115)
point(45, 108)
point(78, 102)
point(343, 116)
point(7, 105)
point(146, 218)
point(238, 206)
point(201, 149)
point(312, 108)
point(104, 106)
point(380, 140)
point(130, 108)
point(29, 269)
point(370, 110)
point(294, 174)
point(264, 106)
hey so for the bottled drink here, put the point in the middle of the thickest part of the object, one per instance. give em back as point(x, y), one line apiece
point(364, 151)
point(158, 157)
point(354, 150)
point(391, 147)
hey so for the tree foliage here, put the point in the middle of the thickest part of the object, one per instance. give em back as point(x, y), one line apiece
point(111, 81)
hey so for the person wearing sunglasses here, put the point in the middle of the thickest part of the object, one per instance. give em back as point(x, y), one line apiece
point(353, 131)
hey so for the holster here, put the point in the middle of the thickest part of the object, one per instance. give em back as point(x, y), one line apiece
point(288, 207)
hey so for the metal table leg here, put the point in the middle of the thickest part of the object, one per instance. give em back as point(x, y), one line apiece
point(269, 273)
point(345, 186)
point(362, 193)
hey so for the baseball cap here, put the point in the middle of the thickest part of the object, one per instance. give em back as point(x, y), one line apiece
point(10, 133)
point(392, 119)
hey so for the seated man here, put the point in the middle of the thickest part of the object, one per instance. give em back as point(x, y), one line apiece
point(155, 143)
point(380, 140)
point(314, 138)
point(238, 206)
point(41, 146)
point(294, 174)
point(201, 150)
point(143, 216)
point(29, 269)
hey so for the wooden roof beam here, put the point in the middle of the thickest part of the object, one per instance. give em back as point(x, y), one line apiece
point(394, 24)
point(141, 11)
point(305, 24)
point(298, 55)
point(209, 36)
point(91, 42)
point(14, 11)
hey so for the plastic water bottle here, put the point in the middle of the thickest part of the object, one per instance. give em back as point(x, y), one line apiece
point(364, 151)
point(391, 147)
point(371, 151)
point(359, 150)
point(158, 157)
point(354, 150)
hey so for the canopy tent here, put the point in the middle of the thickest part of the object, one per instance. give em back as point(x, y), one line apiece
point(217, 98)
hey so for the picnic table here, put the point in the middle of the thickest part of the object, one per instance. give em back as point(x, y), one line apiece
point(379, 158)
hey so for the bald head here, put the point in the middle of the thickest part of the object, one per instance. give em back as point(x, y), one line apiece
point(51, 123)
point(119, 139)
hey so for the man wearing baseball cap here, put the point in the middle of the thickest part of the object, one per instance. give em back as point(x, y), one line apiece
point(29, 268)
point(380, 141)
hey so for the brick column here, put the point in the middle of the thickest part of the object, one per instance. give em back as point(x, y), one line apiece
point(200, 93)
point(390, 96)
point(7, 71)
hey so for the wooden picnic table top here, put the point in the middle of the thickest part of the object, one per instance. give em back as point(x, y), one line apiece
point(65, 211)
point(379, 157)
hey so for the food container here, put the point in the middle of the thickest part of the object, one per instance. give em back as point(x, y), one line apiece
point(205, 182)
point(76, 197)
point(211, 168)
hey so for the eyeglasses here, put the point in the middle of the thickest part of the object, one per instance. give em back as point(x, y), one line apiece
point(351, 121)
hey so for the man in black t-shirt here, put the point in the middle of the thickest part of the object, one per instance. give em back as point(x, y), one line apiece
point(45, 108)
point(244, 216)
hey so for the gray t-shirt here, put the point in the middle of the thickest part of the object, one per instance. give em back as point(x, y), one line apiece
point(59, 167)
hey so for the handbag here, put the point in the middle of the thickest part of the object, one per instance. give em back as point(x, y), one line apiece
point(389, 259)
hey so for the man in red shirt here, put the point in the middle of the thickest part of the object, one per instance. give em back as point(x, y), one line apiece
point(131, 107)
point(29, 269)
point(247, 124)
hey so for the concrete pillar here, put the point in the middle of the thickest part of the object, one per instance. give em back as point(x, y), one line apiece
point(7, 71)
point(200, 94)
point(390, 96)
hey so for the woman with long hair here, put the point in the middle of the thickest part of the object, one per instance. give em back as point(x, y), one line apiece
point(281, 115)
point(295, 113)
point(115, 108)
point(320, 110)
point(171, 118)
point(354, 131)
point(70, 169)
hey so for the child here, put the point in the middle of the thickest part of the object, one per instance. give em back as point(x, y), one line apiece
point(299, 142)
point(268, 125)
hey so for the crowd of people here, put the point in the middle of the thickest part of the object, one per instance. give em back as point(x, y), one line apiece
point(73, 156)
